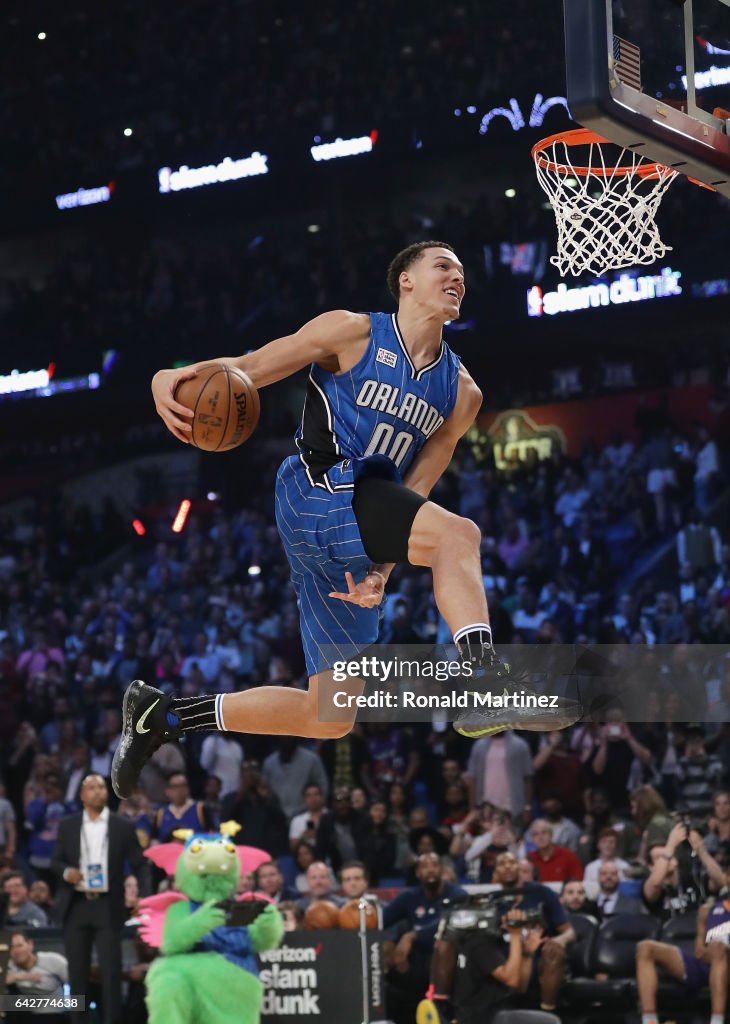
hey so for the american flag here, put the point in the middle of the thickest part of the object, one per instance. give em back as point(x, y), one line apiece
point(627, 60)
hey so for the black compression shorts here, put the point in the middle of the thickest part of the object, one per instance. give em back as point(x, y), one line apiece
point(385, 511)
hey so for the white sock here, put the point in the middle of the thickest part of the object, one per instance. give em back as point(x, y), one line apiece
point(717, 1018)
point(649, 1018)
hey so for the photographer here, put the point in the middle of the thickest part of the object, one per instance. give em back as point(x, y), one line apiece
point(548, 967)
point(670, 891)
point(490, 973)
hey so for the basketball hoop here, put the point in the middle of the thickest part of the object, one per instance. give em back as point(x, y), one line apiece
point(605, 214)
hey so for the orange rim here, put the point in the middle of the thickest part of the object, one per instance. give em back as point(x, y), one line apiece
point(584, 137)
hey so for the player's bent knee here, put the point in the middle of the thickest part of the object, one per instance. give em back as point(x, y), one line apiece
point(717, 951)
point(466, 531)
point(334, 730)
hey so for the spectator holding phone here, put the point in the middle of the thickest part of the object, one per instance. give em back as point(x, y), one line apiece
point(304, 826)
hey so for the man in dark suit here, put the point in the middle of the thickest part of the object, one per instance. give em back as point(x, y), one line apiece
point(91, 852)
point(609, 900)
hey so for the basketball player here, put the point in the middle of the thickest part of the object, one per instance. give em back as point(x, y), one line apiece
point(707, 966)
point(386, 404)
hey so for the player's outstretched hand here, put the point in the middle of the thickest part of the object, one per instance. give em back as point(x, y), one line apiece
point(366, 594)
point(176, 417)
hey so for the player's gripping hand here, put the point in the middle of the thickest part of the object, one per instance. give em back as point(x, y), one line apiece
point(366, 594)
point(176, 417)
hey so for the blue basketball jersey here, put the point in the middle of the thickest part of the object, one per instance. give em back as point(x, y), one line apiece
point(382, 406)
point(373, 419)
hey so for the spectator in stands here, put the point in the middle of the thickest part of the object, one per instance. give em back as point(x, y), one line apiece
point(303, 858)
point(270, 881)
point(614, 754)
point(398, 812)
point(558, 769)
point(652, 823)
point(288, 769)
point(707, 468)
point(609, 899)
point(565, 831)
point(699, 546)
point(393, 756)
point(20, 911)
point(527, 870)
point(34, 660)
point(412, 918)
point(8, 828)
point(499, 772)
point(163, 763)
point(668, 892)
point(717, 839)
point(34, 974)
point(41, 819)
point(262, 820)
point(483, 853)
point(573, 497)
point(380, 844)
point(293, 915)
point(554, 863)
point(222, 755)
point(181, 811)
point(212, 799)
point(354, 879)
point(40, 894)
point(305, 825)
point(708, 965)
point(574, 900)
point(698, 773)
point(77, 770)
point(342, 835)
point(607, 847)
point(320, 886)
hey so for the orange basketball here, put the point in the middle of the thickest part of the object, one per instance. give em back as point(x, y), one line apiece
point(225, 407)
point(321, 914)
point(350, 915)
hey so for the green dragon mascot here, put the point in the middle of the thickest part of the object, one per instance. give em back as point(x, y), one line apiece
point(207, 973)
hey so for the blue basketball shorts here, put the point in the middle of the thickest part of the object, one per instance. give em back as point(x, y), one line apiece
point(319, 531)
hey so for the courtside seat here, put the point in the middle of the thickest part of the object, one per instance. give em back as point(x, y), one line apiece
point(614, 956)
point(582, 951)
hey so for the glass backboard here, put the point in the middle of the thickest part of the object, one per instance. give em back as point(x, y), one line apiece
point(654, 76)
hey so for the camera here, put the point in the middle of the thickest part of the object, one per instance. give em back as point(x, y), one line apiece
point(240, 913)
point(485, 912)
point(692, 821)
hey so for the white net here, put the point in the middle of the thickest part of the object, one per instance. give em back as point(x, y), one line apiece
point(605, 213)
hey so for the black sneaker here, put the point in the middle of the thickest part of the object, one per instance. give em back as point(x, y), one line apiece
point(144, 727)
point(514, 705)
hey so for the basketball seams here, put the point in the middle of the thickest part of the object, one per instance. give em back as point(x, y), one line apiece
point(228, 413)
point(230, 431)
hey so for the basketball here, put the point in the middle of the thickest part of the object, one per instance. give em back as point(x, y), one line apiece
point(321, 914)
point(350, 915)
point(225, 405)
